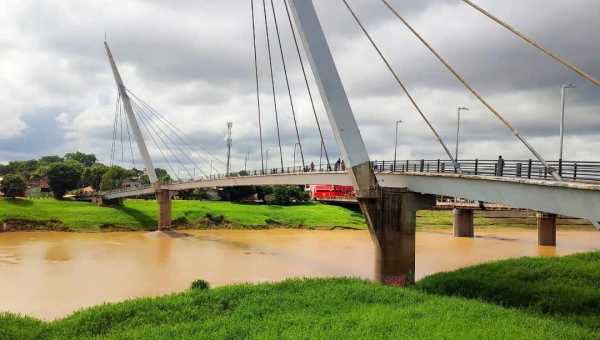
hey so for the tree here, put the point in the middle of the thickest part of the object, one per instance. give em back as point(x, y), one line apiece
point(92, 176)
point(164, 178)
point(41, 171)
point(160, 172)
point(13, 185)
point(285, 195)
point(85, 159)
point(113, 178)
point(63, 177)
point(51, 159)
point(238, 193)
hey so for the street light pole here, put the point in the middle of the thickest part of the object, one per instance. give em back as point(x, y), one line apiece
point(396, 143)
point(295, 156)
point(246, 162)
point(458, 131)
point(267, 160)
point(562, 117)
point(210, 175)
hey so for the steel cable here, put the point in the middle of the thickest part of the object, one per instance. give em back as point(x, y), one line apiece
point(550, 169)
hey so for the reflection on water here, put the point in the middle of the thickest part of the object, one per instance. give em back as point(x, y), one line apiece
point(49, 275)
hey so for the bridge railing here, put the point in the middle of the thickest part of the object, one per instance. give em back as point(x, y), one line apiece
point(568, 170)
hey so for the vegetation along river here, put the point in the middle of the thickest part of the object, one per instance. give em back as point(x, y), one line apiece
point(49, 274)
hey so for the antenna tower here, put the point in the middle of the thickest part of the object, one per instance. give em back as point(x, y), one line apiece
point(229, 143)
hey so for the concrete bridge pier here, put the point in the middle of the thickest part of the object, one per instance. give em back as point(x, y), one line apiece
point(165, 207)
point(546, 228)
point(463, 222)
point(391, 218)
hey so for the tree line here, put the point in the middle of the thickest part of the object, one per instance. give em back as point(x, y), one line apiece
point(73, 171)
point(77, 170)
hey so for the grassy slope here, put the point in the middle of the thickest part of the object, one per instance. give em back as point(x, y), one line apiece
point(565, 288)
point(296, 309)
point(140, 214)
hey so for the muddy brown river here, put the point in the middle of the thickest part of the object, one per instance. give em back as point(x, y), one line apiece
point(49, 275)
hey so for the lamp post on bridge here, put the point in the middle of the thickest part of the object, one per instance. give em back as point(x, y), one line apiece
point(295, 155)
point(562, 117)
point(246, 162)
point(321, 156)
point(396, 143)
point(267, 161)
point(210, 176)
point(458, 131)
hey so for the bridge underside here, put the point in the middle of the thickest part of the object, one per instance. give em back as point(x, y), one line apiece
point(564, 198)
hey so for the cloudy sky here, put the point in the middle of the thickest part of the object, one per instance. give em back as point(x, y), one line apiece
point(193, 62)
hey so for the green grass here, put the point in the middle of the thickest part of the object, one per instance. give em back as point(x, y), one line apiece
point(527, 298)
point(296, 309)
point(142, 215)
point(565, 288)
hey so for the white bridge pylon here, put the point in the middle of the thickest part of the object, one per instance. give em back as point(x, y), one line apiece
point(139, 139)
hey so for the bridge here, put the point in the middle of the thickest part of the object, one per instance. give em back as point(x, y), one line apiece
point(389, 193)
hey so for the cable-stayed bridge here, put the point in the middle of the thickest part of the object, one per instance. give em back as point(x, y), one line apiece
point(390, 195)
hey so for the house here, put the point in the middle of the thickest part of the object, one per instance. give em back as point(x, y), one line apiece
point(131, 183)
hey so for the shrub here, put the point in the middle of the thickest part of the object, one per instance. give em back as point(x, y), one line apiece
point(200, 285)
point(13, 185)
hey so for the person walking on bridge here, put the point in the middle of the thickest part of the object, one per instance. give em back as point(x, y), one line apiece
point(343, 165)
point(312, 166)
point(500, 166)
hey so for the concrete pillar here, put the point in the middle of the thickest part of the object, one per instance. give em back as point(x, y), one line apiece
point(391, 218)
point(546, 228)
point(463, 222)
point(163, 198)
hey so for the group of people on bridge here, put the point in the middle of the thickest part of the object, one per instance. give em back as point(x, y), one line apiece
point(338, 166)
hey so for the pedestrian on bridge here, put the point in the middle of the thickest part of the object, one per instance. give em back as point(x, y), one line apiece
point(343, 165)
point(312, 166)
point(500, 166)
point(337, 164)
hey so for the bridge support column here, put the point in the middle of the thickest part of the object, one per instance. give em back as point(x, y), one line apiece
point(163, 198)
point(391, 218)
point(463, 222)
point(546, 228)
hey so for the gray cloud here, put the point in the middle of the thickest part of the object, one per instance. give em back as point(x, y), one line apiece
point(193, 62)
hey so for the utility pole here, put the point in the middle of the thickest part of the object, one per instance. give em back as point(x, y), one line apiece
point(229, 143)
point(246, 161)
point(458, 131)
point(396, 143)
point(562, 117)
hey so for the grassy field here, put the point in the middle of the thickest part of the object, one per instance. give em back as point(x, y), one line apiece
point(502, 300)
point(50, 214)
point(564, 288)
point(142, 215)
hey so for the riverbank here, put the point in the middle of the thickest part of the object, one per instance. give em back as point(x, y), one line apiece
point(140, 215)
point(532, 298)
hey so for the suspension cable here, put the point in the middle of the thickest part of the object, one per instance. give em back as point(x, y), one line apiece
point(273, 82)
point(550, 170)
point(287, 82)
point(541, 48)
point(262, 159)
point(114, 137)
point(122, 148)
point(151, 123)
point(130, 146)
point(181, 132)
point(456, 166)
point(135, 108)
point(312, 102)
point(147, 114)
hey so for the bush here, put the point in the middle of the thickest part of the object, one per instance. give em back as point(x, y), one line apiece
point(200, 285)
point(285, 195)
point(13, 185)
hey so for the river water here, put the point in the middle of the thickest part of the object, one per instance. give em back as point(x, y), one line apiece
point(49, 275)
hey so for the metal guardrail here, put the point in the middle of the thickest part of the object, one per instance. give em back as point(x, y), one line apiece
point(568, 170)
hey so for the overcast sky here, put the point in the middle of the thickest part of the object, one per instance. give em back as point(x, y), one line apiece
point(193, 62)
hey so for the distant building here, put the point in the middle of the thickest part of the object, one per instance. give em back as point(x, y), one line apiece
point(41, 183)
point(131, 183)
